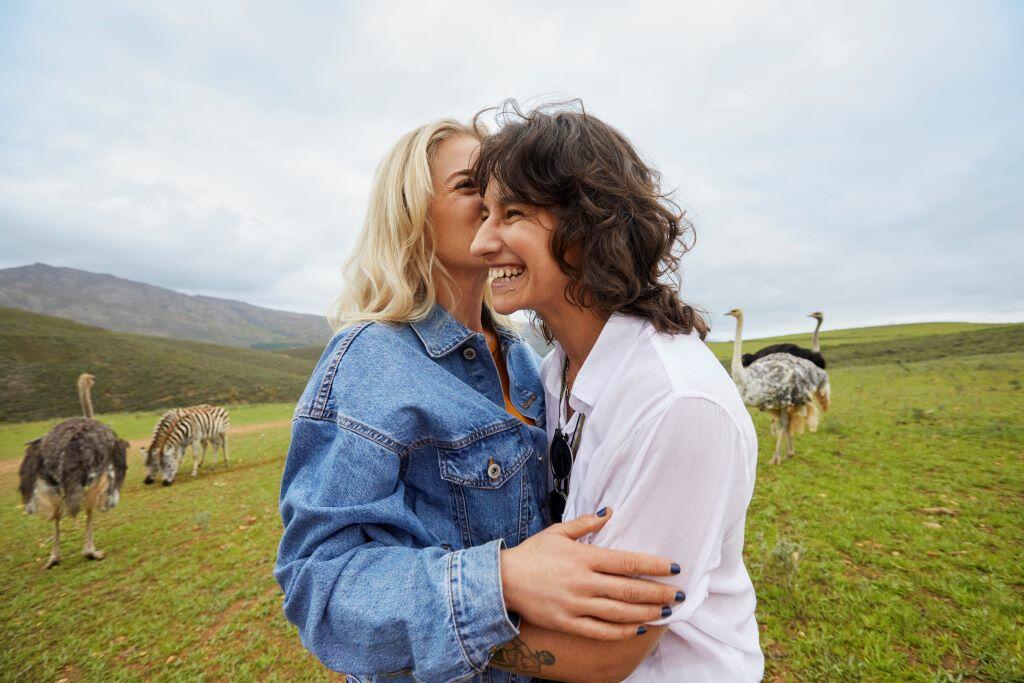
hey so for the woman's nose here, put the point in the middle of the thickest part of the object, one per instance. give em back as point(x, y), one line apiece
point(485, 241)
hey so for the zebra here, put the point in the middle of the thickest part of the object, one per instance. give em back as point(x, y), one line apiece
point(176, 431)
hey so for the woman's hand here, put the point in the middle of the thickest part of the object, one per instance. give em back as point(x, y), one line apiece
point(557, 583)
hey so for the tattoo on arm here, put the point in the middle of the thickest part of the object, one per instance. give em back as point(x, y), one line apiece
point(518, 656)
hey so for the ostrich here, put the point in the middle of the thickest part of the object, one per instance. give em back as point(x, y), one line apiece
point(85, 382)
point(79, 463)
point(813, 354)
point(791, 388)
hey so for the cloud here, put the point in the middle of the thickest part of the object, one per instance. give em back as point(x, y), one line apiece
point(858, 158)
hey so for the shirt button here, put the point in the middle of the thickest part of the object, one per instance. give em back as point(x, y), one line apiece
point(494, 471)
point(469, 353)
point(447, 546)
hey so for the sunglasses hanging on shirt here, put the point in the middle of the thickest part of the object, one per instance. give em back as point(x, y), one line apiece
point(562, 455)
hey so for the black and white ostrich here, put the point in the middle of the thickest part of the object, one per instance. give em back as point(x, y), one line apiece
point(80, 463)
point(812, 354)
point(792, 389)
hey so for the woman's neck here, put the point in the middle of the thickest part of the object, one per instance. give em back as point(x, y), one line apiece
point(463, 297)
point(577, 330)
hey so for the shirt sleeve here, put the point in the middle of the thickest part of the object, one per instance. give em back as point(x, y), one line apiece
point(361, 582)
point(686, 487)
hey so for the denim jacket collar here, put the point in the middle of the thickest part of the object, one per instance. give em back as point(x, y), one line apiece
point(441, 333)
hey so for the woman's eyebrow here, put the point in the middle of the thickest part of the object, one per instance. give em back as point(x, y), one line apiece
point(462, 172)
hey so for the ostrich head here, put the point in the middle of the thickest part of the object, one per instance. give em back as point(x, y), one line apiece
point(85, 380)
point(817, 315)
point(736, 313)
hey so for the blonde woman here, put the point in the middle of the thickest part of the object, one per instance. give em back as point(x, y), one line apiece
point(414, 533)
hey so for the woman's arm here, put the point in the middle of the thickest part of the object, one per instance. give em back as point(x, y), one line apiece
point(367, 592)
point(687, 485)
point(563, 657)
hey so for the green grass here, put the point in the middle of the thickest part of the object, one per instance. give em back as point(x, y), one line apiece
point(311, 354)
point(880, 589)
point(134, 425)
point(856, 580)
point(185, 592)
point(43, 356)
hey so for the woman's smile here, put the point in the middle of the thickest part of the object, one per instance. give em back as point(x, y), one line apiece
point(505, 278)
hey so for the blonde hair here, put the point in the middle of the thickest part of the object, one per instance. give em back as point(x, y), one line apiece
point(389, 275)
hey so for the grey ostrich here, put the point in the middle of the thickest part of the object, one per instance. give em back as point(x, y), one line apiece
point(812, 354)
point(790, 388)
point(80, 463)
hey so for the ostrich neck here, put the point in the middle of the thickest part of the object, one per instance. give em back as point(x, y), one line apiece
point(85, 396)
point(814, 340)
point(737, 349)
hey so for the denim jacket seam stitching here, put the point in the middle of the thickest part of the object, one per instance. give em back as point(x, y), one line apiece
point(324, 393)
point(455, 617)
point(472, 437)
point(370, 434)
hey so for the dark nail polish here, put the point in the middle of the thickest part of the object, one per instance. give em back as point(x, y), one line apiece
point(640, 630)
point(666, 611)
point(602, 512)
point(675, 568)
point(680, 596)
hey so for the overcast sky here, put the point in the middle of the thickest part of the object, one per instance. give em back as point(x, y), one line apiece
point(862, 158)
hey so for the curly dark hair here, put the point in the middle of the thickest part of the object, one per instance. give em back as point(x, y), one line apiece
point(625, 236)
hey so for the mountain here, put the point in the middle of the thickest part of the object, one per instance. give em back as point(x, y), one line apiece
point(43, 356)
point(121, 305)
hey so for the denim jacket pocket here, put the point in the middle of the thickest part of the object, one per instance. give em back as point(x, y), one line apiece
point(490, 487)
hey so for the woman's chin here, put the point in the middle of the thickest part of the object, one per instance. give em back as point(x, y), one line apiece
point(505, 303)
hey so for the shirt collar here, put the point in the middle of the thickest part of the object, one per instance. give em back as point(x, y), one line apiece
point(441, 333)
point(617, 337)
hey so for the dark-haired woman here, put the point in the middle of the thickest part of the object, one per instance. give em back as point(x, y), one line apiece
point(640, 413)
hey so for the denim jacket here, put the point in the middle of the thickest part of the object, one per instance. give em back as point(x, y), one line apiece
point(404, 478)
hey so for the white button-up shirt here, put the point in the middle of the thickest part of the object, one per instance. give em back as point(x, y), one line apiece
point(669, 445)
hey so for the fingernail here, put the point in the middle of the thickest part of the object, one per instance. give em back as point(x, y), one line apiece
point(640, 630)
point(666, 611)
point(602, 512)
point(680, 596)
point(675, 568)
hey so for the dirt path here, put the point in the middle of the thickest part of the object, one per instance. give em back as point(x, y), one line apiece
point(10, 466)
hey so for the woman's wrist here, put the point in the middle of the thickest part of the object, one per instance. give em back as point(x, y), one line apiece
point(507, 574)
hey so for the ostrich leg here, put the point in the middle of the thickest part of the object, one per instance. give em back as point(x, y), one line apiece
point(783, 431)
point(791, 451)
point(89, 550)
point(55, 549)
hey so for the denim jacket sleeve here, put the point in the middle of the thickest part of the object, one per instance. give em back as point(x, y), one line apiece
point(361, 582)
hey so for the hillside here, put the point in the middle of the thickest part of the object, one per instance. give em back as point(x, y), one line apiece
point(121, 305)
point(897, 343)
point(43, 356)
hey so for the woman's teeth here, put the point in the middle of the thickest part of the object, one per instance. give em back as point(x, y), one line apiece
point(505, 274)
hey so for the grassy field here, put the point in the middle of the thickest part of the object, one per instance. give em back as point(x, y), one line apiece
point(130, 426)
point(889, 548)
point(43, 356)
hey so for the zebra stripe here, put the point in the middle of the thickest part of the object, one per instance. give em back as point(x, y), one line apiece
point(180, 428)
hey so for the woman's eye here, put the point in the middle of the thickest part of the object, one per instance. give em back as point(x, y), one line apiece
point(466, 184)
point(512, 213)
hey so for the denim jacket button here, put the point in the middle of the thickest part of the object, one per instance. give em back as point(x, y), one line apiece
point(447, 547)
point(494, 471)
point(469, 353)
